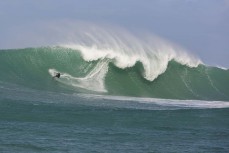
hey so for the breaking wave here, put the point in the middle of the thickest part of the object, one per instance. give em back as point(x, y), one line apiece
point(106, 74)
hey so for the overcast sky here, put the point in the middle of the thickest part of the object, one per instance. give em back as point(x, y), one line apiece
point(200, 26)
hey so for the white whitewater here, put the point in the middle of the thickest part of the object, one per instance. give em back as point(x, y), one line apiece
point(93, 81)
point(188, 104)
point(125, 49)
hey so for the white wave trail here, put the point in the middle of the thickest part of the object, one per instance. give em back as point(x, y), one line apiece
point(125, 49)
point(194, 104)
point(92, 81)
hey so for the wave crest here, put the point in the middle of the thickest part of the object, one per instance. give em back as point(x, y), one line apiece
point(125, 49)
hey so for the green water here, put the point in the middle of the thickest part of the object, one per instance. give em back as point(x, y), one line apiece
point(176, 112)
point(29, 67)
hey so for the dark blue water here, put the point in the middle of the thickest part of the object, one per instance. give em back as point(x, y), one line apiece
point(83, 125)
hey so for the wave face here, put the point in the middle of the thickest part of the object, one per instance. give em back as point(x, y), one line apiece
point(106, 74)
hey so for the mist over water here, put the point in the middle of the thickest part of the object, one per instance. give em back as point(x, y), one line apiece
point(125, 49)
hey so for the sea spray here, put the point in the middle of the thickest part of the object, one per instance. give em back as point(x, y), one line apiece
point(125, 49)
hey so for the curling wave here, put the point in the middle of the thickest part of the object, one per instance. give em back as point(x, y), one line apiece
point(34, 67)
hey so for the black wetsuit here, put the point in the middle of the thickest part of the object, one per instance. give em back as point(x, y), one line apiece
point(57, 75)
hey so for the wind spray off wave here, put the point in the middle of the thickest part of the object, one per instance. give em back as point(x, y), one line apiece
point(115, 62)
point(125, 49)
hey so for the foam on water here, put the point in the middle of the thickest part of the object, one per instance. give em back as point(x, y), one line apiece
point(200, 104)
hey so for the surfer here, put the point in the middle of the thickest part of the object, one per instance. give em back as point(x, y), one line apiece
point(57, 75)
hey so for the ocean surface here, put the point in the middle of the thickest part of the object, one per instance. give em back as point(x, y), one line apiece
point(109, 101)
